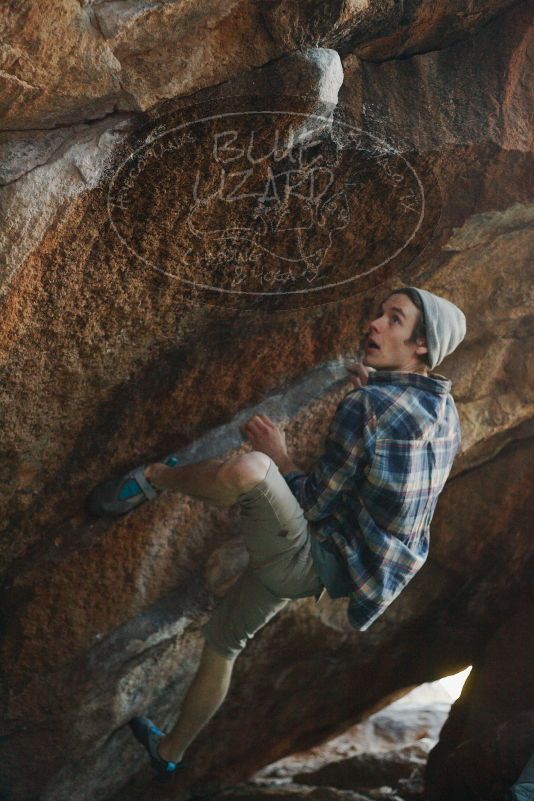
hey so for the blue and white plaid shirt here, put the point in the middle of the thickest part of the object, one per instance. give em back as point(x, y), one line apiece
point(373, 492)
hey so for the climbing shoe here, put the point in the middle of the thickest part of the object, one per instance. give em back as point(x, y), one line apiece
point(117, 496)
point(148, 734)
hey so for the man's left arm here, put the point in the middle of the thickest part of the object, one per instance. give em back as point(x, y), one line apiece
point(344, 455)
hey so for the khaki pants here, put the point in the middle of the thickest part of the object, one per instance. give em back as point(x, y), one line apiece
point(280, 565)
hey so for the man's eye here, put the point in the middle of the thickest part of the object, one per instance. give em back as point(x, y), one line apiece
point(395, 318)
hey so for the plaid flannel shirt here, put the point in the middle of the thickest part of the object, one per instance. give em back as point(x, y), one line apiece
point(373, 492)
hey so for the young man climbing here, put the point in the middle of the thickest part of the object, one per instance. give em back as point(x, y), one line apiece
point(357, 524)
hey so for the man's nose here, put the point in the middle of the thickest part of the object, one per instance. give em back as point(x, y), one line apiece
point(375, 324)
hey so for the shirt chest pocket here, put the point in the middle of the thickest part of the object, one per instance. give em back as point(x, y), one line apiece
point(402, 463)
point(401, 481)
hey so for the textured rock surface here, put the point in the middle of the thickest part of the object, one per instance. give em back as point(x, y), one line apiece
point(130, 55)
point(295, 792)
point(106, 364)
point(368, 771)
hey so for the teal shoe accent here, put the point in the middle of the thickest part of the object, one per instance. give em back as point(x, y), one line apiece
point(149, 736)
point(132, 488)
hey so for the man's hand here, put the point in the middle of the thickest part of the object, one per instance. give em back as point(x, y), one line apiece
point(265, 436)
point(360, 374)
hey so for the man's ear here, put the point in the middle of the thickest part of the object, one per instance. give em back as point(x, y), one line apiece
point(421, 347)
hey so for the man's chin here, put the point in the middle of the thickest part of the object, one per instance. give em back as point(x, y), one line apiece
point(369, 361)
point(373, 360)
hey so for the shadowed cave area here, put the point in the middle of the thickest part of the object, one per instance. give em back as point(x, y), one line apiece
point(200, 208)
point(383, 757)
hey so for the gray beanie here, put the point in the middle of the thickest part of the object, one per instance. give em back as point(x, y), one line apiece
point(445, 325)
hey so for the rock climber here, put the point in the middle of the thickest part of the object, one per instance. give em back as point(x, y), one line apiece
point(357, 525)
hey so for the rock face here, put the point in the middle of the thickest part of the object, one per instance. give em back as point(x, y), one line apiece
point(489, 735)
point(200, 206)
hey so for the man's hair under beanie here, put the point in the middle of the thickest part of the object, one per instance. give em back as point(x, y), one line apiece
point(444, 323)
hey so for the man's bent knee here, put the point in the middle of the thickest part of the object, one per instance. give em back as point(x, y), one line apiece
point(244, 472)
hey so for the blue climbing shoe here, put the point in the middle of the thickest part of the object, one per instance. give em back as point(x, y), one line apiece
point(118, 496)
point(148, 734)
